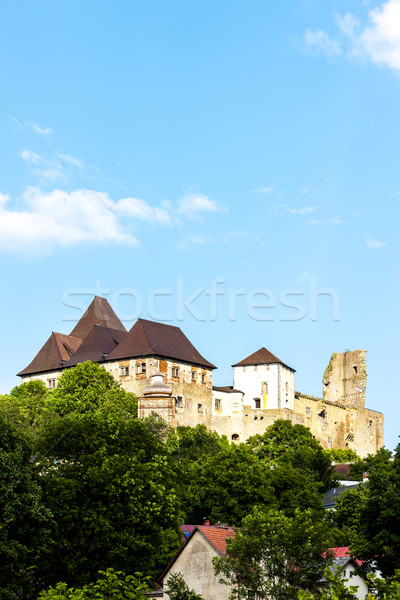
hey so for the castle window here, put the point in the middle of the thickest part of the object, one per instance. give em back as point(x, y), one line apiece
point(141, 367)
point(193, 375)
point(370, 427)
point(123, 371)
point(287, 387)
point(308, 411)
point(264, 388)
point(355, 368)
point(235, 407)
point(200, 408)
point(178, 402)
point(218, 404)
point(257, 403)
point(235, 437)
point(203, 378)
point(175, 371)
point(51, 384)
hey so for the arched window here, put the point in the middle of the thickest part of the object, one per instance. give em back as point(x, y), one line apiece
point(264, 388)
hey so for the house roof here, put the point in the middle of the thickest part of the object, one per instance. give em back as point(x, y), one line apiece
point(97, 345)
point(261, 357)
point(216, 536)
point(148, 338)
point(343, 552)
point(99, 312)
point(228, 389)
point(56, 351)
point(333, 494)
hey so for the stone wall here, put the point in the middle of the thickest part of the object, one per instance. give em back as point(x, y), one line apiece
point(345, 378)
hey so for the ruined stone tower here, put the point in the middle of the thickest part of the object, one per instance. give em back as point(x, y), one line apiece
point(345, 378)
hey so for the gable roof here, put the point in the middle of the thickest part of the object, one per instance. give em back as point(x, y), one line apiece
point(99, 312)
point(333, 494)
point(97, 345)
point(54, 354)
point(341, 555)
point(148, 338)
point(216, 536)
point(261, 357)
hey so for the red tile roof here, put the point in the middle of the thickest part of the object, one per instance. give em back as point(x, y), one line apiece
point(97, 345)
point(343, 552)
point(99, 312)
point(57, 350)
point(148, 338)
point(261, 357)
point(217, 536)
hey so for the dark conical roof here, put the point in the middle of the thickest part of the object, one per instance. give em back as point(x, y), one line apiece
point(261, 357)
point(148, 338)
point(57, 350)
point(97, 345)
point(98, 313)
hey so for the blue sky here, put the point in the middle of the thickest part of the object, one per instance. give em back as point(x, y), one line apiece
point(158, 153)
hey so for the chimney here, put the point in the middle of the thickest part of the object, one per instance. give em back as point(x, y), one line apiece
point(206, 522)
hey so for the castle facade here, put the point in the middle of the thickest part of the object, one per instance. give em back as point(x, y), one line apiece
point(169, 376)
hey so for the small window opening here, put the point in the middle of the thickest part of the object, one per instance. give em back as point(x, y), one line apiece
point(257, 403)
point(235, 437)
point(200, 408)
point(355, 368)
point(175, 371)
point(218, 404)
point(124, 371)
point(179, 402)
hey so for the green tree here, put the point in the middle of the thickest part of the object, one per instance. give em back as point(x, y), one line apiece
point(113, 490)
point(179, 590)
point(284, 443)
point(334, 588)
point(86, 388)
point(342, 455)
point(192, 443)
point(225, 486)
point(274, 555)
point(378, 529)
point(157, 426)
point(110, 585)
point(25, 527)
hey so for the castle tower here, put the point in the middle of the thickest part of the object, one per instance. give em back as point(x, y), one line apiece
point(158, 398)
point(345, 378)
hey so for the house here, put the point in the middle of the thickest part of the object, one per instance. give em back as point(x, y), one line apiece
point(194, 561)
point(348, 569)
point(262, 390)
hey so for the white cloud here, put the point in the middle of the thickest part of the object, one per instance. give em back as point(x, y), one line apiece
point(139, 209)
point(375, 244)
point(263, 190)
point(378, 39)
point(195, 239)
point(338, 221)
point(302, 277)
point(304, 210)
point(320, 42)
point(235, 235)
point(192, 206)
point(381, 38)
point(30, 157)
point(40, 131)
point(60, 219)
point(47, 167)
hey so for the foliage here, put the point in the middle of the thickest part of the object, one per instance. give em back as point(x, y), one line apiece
point(334, 588)
point(284, 443)
point(192, 443)
point(25, 528)
point(157, 426)
point(86, 388)
point(179, 590)
point(380, 460)
point(274, 554)
point(342, 455)
point(225, 486)
point(109, 586)
point(347, 516)
point(25, 406)
point(114, 494)
point(378, 531)
point(385, 590)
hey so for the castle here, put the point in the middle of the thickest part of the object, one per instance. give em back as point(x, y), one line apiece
point(159, 364)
